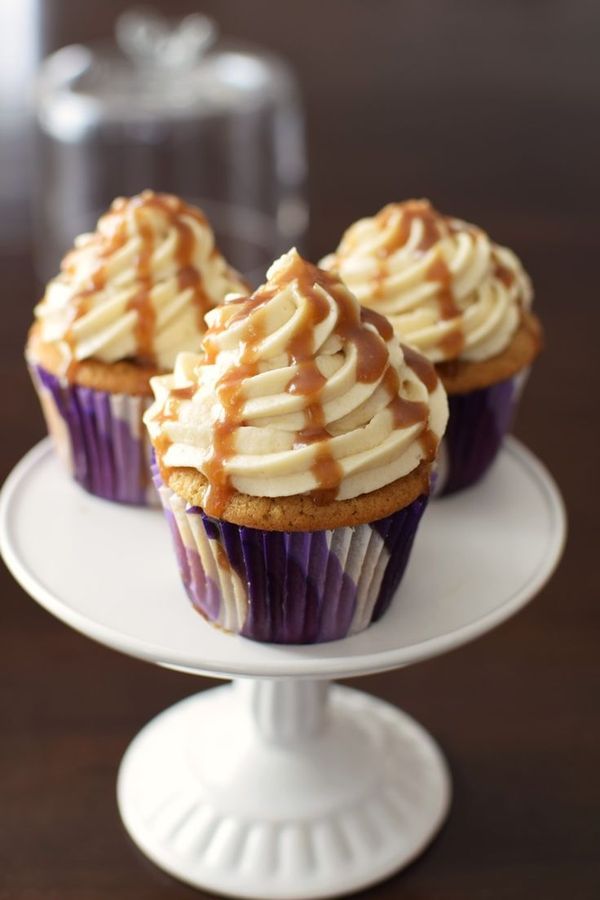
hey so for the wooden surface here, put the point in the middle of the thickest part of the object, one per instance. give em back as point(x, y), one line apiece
point(492, 111)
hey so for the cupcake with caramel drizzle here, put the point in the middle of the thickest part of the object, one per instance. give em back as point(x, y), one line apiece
point(128, 298)
point(294, 458)
point(464, 302)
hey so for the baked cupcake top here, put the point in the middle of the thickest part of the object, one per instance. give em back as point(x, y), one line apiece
point(138, 287)
point(299, 391)
point(447, 289)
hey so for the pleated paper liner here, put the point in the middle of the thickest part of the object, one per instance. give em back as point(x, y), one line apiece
point(290, 587)
point(478, 423)
point(100, 437)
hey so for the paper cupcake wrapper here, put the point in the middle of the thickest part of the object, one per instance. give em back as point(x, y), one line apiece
point(100, 437)
point(476, 428)
point(290, 587)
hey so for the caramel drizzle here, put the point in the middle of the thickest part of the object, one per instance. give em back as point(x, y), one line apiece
point(229, 391)
point(503, 273)
point(398, 218)
point(188, 276)
point(423, 369)
point(372, 365)
point(435, 226)
point(80, 302)
point(453, 341)
point(429, 444)
point(405, 413)
point(231, 398)
point(141, 301)
point(371, 362)
point(309, 383)
point(170, 413)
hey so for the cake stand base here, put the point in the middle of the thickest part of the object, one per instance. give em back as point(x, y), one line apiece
point(282, 789)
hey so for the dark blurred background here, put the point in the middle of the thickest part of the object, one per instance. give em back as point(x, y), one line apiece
point(492, 110)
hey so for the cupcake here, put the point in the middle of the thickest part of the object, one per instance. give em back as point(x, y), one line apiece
point(464, 303)
point(129, 297)
point(293, 459)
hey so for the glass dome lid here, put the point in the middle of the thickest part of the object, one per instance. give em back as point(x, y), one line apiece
point(156, 68)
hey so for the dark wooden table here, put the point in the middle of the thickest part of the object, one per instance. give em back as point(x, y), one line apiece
point(492, 111)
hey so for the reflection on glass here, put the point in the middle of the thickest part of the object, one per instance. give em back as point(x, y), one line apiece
point(169, 107)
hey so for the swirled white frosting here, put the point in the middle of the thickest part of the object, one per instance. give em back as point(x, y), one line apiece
point(446, 288)
point(139, 286)
point(299, 390)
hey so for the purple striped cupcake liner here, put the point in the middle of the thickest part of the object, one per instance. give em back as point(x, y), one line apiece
point(477, 426)
point(100, 437)
point(289, 587)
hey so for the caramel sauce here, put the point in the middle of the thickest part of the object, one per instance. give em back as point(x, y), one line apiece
point(141, 301)
point(379, 280)
point(80, 302)
point(423, 369)
point(168, 204)
point(504, 274)
point(170, 410)
point(249, 305)
point(434, 225)
point(372, 365)
point(308, 380)
point(429, 443)
point(73, 364)
point(371, 362)
point(310, 434)
point(117, 239)
point(452, 342)
point(188, 275)
point(170, 413)
point(230, 393)
point(381, 323)
point(328, 473)
point(162, 444)
point(184, 393)
point(439, 271)
point(314, 430)
point(372, 353)
point(405, 413)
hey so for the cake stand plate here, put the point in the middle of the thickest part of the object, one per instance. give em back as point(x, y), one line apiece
point(277, 786)
point(110, 572)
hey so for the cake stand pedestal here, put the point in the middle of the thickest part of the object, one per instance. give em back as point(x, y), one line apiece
point(280, 785)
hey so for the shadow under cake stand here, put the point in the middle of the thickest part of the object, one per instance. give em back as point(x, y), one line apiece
point(280, 785)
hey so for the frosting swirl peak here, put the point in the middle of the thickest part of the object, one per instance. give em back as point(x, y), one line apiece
point(139, 286)
point(299, 391)
point(446, 288)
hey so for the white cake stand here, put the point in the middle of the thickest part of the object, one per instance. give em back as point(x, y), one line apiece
point(280, 786)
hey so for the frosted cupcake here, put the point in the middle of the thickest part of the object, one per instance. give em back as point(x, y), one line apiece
point(294, 459)
point(463, 302)
point(129, 297)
